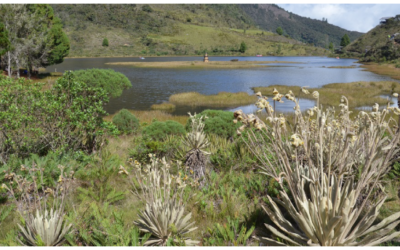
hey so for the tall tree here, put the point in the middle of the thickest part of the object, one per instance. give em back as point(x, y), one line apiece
point(35, 34)
point(345, 40)
point(16, 21)
point(53, 43)
point(4, 42)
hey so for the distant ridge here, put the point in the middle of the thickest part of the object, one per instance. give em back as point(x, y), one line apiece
point(192, 29)
point(320, 33)
point(381, 43)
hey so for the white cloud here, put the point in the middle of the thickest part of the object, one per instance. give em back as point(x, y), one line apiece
point(354, 17)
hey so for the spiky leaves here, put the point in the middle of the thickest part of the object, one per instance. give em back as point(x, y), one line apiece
point(317, 160)
point(164, 216)
point(328, 216)
point(45, 229)
point(165, 219)
point(196, 141)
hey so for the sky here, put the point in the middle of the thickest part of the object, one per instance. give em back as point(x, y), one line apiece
point(353, 17)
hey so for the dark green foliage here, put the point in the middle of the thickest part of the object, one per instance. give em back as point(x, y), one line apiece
point(147, 8)
point(68, 117)
point(126, 122)
point(159, 130)
point(60, 43)
point(105, 42)
point(103, 225)
point(171, 148)
point(55, 45)
point(279, 30)
point(107, 79)
point(395, 172)
point(97, 178)
point(229, 234)
point(219, 122)
point(345, 40)
point(243, 47)
point(49, 163)
point(331, 46)
point(4, 42)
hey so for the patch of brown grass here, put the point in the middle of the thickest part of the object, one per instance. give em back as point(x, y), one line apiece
point(383, 69)
point(222, 99)
point(358, 93)
point(147, 116)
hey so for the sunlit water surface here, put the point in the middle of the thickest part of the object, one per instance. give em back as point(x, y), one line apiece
point(151, 85)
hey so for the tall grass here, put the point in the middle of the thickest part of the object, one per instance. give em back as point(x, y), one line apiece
point(383, 69)
point(147, 116)
point(222, 99)
point(358, 93)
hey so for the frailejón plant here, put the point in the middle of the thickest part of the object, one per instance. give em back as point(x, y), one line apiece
point(163, 215)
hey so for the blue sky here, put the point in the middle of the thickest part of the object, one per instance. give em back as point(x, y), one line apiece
point(354, 17)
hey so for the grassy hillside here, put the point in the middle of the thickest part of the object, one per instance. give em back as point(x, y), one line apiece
point(376, 45)
point(170, 29)
point(320, 33)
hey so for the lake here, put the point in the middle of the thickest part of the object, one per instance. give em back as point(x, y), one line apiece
point(150, 85)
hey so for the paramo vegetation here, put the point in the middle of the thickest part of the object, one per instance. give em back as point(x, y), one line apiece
point(316, 178)
point(72, 177)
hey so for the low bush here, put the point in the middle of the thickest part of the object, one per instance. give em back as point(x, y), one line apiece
point(109, 80)
point(218, 122)
point(159, 130)
point(126, 122)
point(170, 147)
point(67, 117)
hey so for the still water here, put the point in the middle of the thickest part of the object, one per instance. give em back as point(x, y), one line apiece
point(151, 85)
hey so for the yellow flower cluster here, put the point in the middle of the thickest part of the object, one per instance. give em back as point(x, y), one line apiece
point(296, 141)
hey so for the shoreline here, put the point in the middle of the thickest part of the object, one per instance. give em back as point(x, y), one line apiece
point(200, 64)
point(210, 56)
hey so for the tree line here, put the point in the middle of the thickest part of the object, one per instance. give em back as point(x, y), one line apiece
point(30, 37)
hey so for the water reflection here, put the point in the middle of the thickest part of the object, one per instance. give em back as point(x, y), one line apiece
point(390, 98)
point(285, 107)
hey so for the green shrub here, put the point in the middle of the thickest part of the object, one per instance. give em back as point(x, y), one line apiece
point(107, 79)
point(126, 122)
point(171, 148)
point(159, 130)
point(67, 117)
point(219, 122)
point(105, 42)
point(147, 8)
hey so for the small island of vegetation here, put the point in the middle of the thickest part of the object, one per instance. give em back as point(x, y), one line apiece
point(200, 64)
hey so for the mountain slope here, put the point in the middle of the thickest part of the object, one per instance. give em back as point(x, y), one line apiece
point(320, 33)
point(379, 44)
point(169, 29)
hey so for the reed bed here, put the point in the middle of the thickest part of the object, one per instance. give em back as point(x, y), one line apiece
point(222, 99)
point(163, 106)
point(148, 116)
point(359, 93)
point(383, 69)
